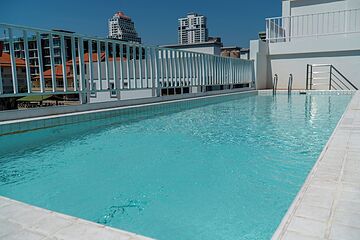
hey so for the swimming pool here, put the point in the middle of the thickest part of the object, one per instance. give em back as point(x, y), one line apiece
point(218, 170)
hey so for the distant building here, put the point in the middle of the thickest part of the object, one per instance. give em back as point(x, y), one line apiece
point(213, 46)
point(236, 52)
point(192, 29)
point(245, 53)
point(19, 50)
point(123, 28)
point(6, 73)
point(233, 52)
point(262, 36)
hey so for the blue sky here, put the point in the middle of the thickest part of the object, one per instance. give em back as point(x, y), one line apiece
point(235, 21)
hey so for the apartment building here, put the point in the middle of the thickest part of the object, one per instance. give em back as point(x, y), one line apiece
point(192, 29)
point(123, 28)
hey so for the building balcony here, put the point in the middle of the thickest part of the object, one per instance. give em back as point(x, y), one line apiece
point(286, 29)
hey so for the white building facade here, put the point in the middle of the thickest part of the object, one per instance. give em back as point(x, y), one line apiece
point(311, 33)
point(123, 28)
point(193, 29)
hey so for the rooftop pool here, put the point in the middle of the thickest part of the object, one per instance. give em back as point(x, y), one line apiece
point(220, 168)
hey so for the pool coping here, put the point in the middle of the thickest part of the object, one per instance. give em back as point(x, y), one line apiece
point(328, 203)
point(20, 221)
point(53, 120)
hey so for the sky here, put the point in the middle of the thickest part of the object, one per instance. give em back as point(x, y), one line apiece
point(235, 21)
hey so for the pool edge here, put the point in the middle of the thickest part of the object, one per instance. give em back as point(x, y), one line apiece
point(296, 224)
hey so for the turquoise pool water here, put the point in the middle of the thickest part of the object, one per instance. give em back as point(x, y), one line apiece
point(228, 170)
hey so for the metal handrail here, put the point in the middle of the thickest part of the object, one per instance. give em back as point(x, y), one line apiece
point(347, 80)
point(275, 82)
point(128, 66)
point(335, 81)
point(290, 83)
point(285, 28)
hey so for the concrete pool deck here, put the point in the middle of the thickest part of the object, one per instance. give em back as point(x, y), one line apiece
point(20, 221)
point(328, 204)
point(327, 207)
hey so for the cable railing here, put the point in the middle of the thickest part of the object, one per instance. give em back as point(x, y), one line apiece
point(85, 65)
point(284, 29)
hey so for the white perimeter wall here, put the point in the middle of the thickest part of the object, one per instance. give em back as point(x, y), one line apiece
point(301, 7)
point(283, 58)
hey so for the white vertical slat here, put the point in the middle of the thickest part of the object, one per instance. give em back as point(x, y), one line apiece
point(141, 67)
point(13, 62)
point(173, 67)
point(107, 73)
point(217, 64)
point(81, 65)
point(207, 75)
point(40, 60)
point(63, 61)
point(187, 71)
point(121, 46)
point(222, 72)
point(157, 71)
point(198, 61)
point(91, 67)
point(219, 71)
point(134, 66)
point(146, 62)
point(27, 64)
point(167, 52)
point(211, 64)
point(73, 56)
point(192, 69)
point(202, 72)
point(99, 66)
point(115, 72)
point(128, 66)
point(180, 69)
point(52, 62)
point(205, 70)
point(152, 68)
point(184, 68)
point(195, 65)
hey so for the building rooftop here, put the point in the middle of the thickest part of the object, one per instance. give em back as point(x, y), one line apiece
point(5, 61)
point(122, 15)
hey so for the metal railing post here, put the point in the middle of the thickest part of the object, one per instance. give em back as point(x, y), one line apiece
point(330, 77)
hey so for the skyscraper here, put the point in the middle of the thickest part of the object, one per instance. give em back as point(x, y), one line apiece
point(122, 27)
point(193, 29)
